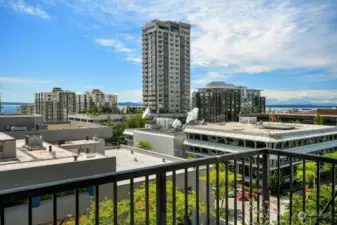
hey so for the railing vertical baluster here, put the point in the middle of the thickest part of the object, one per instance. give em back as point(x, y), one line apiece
point(77, 207)
point(304, 188)
point(291, 190)
point(258, 188)
point(243, 190)
point(132, 203)
point(161, 198)
point(265, 187)
point(186, 195)
point(197, 193)
point(115, 203)
point(2, 214)
point(278, 190)
point(333, 187)
point(54, 209)
point(173, 197)
point(147, 209)
point(207, 195)
point(97, 205)
point(30, 211)
point(235, 189)
point(317, 191)
point(226, 192)
point(217, 194)
point(251, 190)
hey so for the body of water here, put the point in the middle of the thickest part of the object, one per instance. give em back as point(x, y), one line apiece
point(11, 108)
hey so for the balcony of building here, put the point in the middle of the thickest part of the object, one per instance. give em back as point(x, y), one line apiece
point(208, 190)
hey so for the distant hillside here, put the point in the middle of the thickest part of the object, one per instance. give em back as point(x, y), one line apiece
point(302, 106)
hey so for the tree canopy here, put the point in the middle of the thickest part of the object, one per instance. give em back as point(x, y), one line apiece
point(310, 203)
point(318, 119)
point(135, 121)
point(123, 207)
point(117, 132)
point(145, 145)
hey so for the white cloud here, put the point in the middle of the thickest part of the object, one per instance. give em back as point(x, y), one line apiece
point(117, 45)
point(134, 59)
point(21, 7)
point(209, 77)
point(130, 96)
point(241, 36)
point(297, 96)
point(22, 80)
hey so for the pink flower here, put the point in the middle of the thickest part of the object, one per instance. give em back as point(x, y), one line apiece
point(274, 209)
point(266, 202)
point(260, 191)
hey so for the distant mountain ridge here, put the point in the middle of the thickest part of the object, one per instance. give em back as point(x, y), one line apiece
point(301, 106)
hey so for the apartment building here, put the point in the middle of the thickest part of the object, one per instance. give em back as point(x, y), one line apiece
point(26, 109)
point(219, 101)
point(96, 99)
point(166, 66)
point(55, 105)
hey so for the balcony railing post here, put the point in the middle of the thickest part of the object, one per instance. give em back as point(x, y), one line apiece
point(161, 198)
point(265, 187)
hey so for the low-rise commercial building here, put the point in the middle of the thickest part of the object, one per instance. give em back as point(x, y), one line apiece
point(165, 141)
point(18, 126)
point(214, 139)
point(37, 162)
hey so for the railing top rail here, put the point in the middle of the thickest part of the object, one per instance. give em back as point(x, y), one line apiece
point(309, 157)
point(82, 182)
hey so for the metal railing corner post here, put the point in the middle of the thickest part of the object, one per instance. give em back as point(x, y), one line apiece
point(161, 198)
point(266, 178)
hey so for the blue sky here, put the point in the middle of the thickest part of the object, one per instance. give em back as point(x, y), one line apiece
point(286, 48)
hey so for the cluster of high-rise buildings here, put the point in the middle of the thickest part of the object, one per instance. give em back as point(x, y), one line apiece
point(58, 104)
point(167, 78)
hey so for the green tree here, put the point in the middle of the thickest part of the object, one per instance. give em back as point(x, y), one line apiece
point(257, 109)
point(222, 183)
point(310, 203)
point(145, 145)
point(135, 121)
point(298, 121)
point(318, 119)
point(310, 172)
point(117, 132)
point(123, 213)
point(99, 110)
point(328, 166)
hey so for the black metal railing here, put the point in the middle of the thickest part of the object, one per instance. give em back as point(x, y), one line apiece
point(219, 203)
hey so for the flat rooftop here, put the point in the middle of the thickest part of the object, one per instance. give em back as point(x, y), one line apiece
point(27, 159)
point(5, 137)
point(126, 160)
point(18, 115)
point(255, 131)
point(66, 126)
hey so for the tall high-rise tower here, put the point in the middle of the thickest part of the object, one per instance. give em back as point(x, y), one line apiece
point(166, 66)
